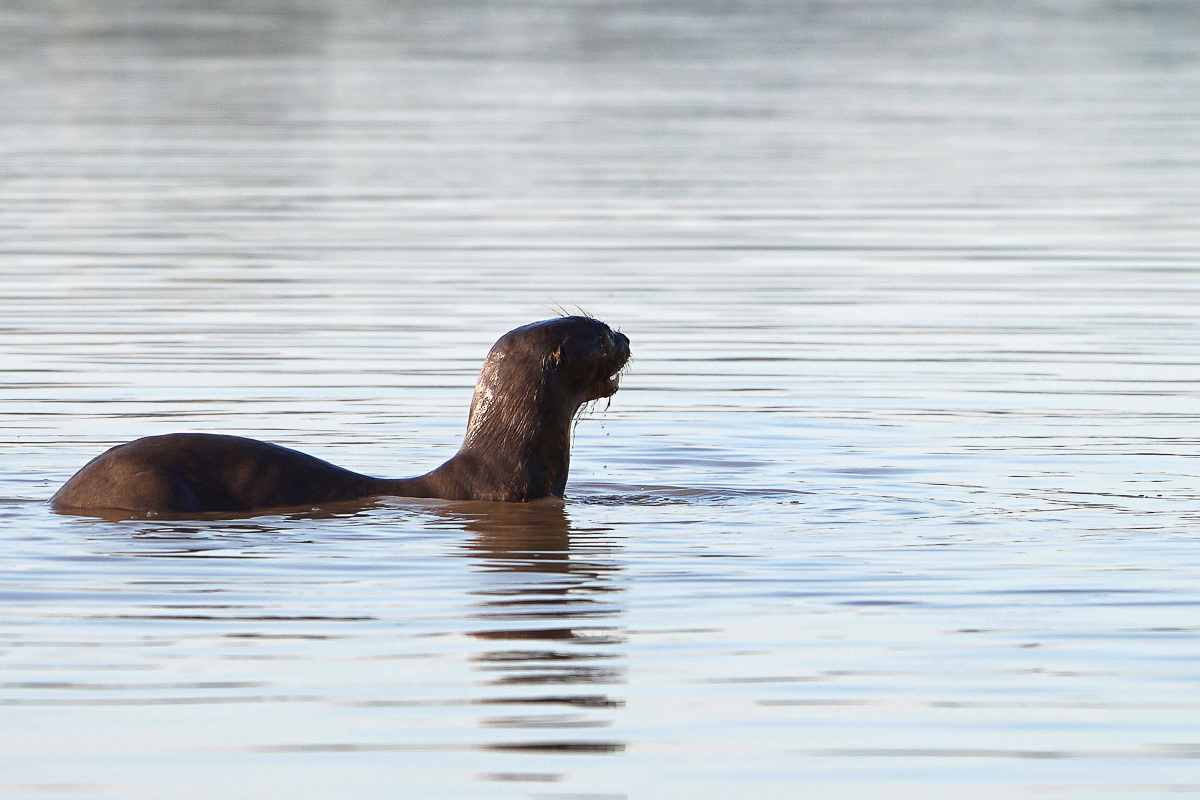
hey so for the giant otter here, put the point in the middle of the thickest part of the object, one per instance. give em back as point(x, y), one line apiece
point(517, 445)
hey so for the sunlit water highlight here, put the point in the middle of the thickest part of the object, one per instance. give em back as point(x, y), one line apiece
point(899, 496)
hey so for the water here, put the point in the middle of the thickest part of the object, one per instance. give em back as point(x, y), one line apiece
point(899, 496)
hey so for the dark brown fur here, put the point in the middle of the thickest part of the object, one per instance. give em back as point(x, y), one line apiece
point(517, 446)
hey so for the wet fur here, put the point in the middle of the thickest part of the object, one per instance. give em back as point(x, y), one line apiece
point(517, 446)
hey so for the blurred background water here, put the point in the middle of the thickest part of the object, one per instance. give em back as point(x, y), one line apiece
point(899, 496)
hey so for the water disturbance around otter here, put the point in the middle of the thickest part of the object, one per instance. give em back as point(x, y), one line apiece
point(517, 446)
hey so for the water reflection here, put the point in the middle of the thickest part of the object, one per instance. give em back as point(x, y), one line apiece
point(549, 613)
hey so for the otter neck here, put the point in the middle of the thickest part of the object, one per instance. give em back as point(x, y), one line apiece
point(518, 440)
point(518, 451)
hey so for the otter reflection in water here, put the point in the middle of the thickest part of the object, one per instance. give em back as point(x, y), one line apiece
point(553, 649)
point(517, 446)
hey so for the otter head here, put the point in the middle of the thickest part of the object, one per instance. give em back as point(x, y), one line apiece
point(543, 372)
point(587, 356)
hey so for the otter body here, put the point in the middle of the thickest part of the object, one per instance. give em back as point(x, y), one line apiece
point(517, 446)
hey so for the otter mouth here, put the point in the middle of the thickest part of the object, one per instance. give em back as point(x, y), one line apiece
point(608, 381)
point(602, 388)
point(607, 387)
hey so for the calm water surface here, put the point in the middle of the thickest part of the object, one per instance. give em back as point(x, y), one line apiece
point(900, 496)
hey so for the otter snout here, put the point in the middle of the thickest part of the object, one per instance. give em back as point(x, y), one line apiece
point(620, 357)
point(621, 346)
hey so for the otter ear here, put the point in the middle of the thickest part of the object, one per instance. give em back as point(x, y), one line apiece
point(556, 357)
